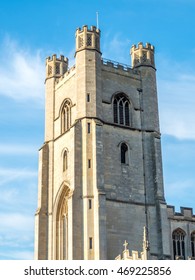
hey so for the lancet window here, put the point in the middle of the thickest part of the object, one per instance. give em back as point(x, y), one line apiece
point(65, 161)
point(124, 153)
point(66, 116)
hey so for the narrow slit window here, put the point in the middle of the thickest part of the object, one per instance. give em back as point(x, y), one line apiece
point(90, 243)
point(65, 161)
point(89, 163)
point(90, 204)
point(88, 97)
point(88, 127)
point(124, 153)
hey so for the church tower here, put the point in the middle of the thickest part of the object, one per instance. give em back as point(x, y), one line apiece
point(100, 167)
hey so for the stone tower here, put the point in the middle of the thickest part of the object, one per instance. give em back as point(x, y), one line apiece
point(100, 167)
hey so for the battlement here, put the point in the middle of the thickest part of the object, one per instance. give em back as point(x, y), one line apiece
point(56, 67)
point(142, 55)
point(185, 213)
point(86, 29)
point(118, 65)
point(68, 74)
point(134, 255)
point(87, 38)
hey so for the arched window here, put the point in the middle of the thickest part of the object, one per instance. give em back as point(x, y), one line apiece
point(178, 238)
point(65, 161)
point(124, 153)
point(121, 107)
point(193, 243)
point(62, 224)
point(66, 116)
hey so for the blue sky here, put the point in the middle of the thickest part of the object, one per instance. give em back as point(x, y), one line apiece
point(32, 30)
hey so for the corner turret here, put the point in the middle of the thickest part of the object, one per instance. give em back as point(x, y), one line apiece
point(142, 55)
point(56, 67)
point(87, 38)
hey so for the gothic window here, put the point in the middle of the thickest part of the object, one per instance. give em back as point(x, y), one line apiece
point(66, 116)
point(65, 161)
point(121, 107)
point(124, 153)
point(178, 238)
point(62, 224)
point(193, 243)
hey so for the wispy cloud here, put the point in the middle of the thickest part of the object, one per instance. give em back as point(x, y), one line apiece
point(180, 193)
point(11, 174)
point(16, 236)
point(21, 71)
point(16, 221)
point(17, 149)
point(176, 87)
point(116, 48)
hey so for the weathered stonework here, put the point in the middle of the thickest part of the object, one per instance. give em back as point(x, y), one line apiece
point(92, 194)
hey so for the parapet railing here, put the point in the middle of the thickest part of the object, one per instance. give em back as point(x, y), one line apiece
point(116, 64)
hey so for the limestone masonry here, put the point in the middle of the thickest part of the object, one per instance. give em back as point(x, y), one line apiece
point(100, 167)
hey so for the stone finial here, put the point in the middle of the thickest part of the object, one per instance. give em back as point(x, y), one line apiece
point(125, 245)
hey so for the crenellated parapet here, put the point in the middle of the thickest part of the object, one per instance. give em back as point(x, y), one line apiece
point(56, 67)
point(120, 66)
point(142, 55)
point(185, 213)
point(87, 38)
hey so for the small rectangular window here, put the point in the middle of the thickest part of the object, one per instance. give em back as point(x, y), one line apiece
point(88, 97)
point(88, 127)
point(89, 163)
point(90, 204)
point(90, 242)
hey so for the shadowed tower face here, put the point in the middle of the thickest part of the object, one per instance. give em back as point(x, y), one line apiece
point(100, 169)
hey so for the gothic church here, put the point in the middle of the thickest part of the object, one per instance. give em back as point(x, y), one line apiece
point(100, 167)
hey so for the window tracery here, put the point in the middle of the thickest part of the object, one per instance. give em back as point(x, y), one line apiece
point(178, 238)
point(121, 110)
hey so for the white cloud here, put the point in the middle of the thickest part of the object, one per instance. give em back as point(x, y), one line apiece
point(176, 88)
point(11, 174)
point(21, 72)
point(16, 222)
point(180, 193)
point(17, 149)
point(22, 254)
point(116, 48)
point(16, 236)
